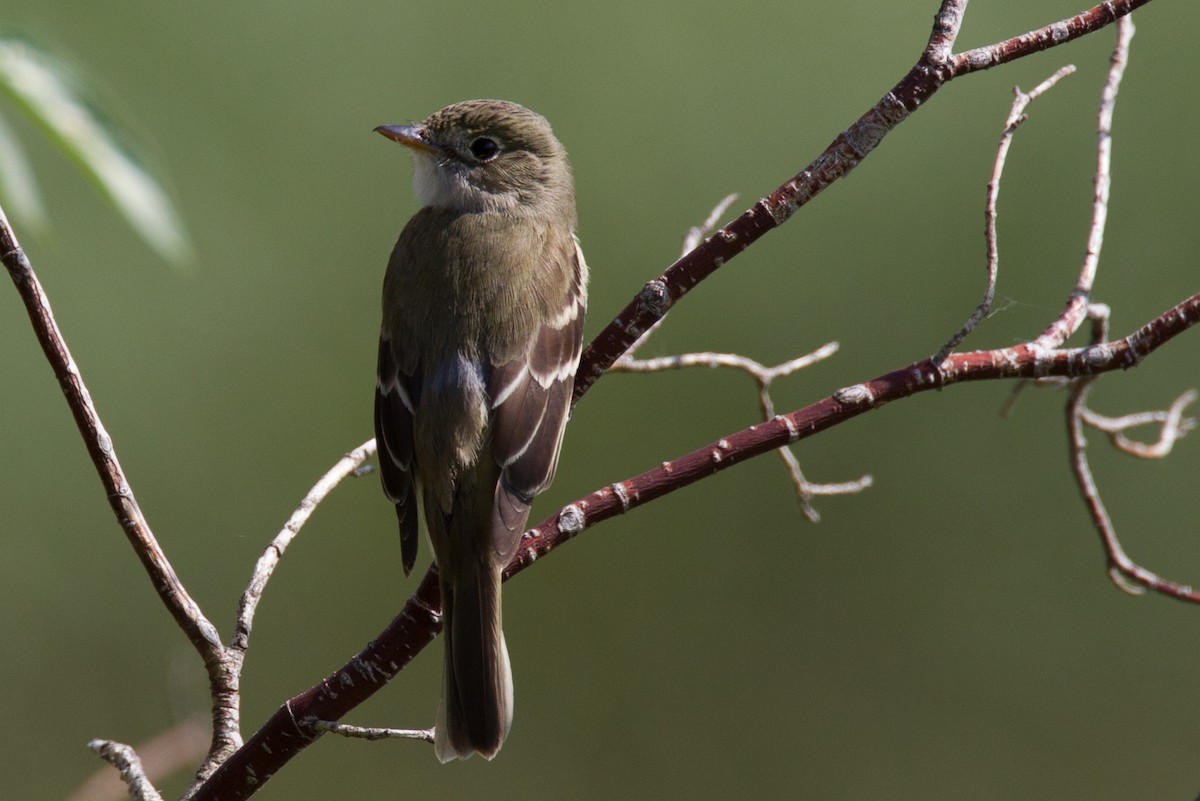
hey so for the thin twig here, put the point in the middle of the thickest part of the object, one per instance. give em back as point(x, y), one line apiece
point(171, 591)
point(691, 241)
point(1046, 37)
point(200, 632)
point(762, 376)
point(1172, 425)
point(1076, 306)
point(1016, 116)
point(348, 465)
point(369, 732)
point(227, 707)
point(178, 748)
point(696, 233)
point(1126, 574)
point(125, 760)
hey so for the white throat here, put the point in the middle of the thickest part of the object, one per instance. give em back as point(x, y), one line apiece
point(443, 187)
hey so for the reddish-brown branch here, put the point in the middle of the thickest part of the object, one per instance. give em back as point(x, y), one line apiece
point(284, 735)
point(935, 68)
point(1044, 38)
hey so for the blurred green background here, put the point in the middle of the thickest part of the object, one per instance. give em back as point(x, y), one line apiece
point(949, 634)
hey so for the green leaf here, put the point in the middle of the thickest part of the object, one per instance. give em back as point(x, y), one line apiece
point(18, 189)
point(57, 100)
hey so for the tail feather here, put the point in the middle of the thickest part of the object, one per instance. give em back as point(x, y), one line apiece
point(477, 692)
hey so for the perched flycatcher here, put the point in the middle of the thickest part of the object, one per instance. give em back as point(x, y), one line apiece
point(483, 308)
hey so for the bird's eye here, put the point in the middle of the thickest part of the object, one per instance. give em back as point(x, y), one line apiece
point(484, 149)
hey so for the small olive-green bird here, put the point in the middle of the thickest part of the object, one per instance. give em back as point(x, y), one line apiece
point(483, 307)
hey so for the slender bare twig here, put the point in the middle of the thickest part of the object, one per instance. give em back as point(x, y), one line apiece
point(696, 233)
point(200, 632)
point(1172, 425)
point(762, 376)
point(691, 241)
point(370, 732)
point(171, 591)
point(178, 748)
point(1044, 38)
point(227, 716)
point(227, 735)
point(348, 465)
point(1076, 307)
point(1125, 573)
point(223, 664)
point(1016, 116)
point(125, 760)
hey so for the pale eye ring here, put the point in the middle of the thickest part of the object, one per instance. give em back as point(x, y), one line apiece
point(484, 148)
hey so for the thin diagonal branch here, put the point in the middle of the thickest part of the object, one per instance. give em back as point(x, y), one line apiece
point(1048, 36)
point(265, 567)
point(200, 632)
point(935, 68)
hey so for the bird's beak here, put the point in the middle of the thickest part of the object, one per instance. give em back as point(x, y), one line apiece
point(411, 136)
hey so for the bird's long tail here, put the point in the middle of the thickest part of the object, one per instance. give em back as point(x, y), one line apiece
point(477, 691)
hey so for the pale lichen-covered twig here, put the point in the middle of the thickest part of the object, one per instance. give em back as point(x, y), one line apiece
point(762, 376)
point(1171, 422)
point(178, 748)
point(348, 465)
point(1016, 116)
point(1126, 574)
point(1075, 311)
point(125, 760)
point(227, 716)
point(370, 732)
